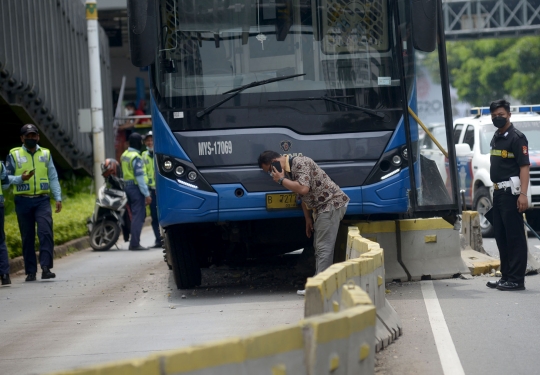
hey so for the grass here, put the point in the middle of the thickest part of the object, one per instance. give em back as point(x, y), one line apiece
point(69, 224)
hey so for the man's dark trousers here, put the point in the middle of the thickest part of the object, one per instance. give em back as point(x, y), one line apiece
point(153, 213)
point(4, 259)
point(138, 214)
point(510, 235)
point(29, 212)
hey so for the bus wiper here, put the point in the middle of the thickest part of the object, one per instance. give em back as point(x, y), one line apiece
point(366, 110)
point(238, 90)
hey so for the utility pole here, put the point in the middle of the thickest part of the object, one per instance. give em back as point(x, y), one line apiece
point(96, 101)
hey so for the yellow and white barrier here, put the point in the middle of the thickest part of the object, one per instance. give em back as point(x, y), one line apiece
point(413, 248)
point(365, 268)
point(431, 249)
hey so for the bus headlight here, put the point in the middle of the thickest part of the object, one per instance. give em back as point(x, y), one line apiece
point(167, 165)
point(396, 160)
point(405, 154)
point(179, 171)
point(192, 176)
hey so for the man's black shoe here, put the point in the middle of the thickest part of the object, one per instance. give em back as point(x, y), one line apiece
point(5, 279)
point(30, 277)
point(156, 246)
point(47, 274)
point(495, 284)
point(508, 285)
point(138, 248)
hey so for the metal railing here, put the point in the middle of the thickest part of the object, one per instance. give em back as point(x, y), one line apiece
point(490, 18)
point(44, 68)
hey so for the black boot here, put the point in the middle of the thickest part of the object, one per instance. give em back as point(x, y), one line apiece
point(47, 274)
point(30, 277)
point(5, 279)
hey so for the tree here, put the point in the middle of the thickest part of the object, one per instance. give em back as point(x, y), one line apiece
point(490, 69)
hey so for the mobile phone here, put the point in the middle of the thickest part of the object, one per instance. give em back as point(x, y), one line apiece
point(277, 165)
point(31, 171)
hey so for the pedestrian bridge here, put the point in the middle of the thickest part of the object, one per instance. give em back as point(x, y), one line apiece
point(475, 19)
point(45, 78)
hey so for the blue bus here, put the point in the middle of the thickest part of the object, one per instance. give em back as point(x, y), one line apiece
point(330, 79)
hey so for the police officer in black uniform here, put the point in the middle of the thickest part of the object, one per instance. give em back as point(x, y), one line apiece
point(509, 158)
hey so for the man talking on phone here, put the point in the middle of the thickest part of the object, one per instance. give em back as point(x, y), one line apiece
point(32, 172)
point(323, 202)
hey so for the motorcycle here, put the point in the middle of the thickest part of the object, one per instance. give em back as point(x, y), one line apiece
point(110, 216)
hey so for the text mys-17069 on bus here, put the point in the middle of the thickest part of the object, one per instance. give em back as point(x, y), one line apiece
point(333, 80)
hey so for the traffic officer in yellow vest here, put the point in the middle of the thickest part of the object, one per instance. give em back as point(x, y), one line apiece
point(4, 260)
point(32, 172)
point(148, 162)
point(136, 188)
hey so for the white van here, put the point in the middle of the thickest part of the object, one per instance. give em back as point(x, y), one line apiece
point(476, 132)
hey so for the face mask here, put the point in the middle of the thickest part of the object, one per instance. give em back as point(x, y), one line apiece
point(499, 121)
point(30, 143)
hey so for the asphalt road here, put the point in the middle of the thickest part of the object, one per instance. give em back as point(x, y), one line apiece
point(493, 332)
point(120, 304)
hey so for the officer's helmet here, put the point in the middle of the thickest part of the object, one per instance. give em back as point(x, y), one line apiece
point(110, 167)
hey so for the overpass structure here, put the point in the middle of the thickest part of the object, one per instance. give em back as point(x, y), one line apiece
point(473, 19)
point(45, 79)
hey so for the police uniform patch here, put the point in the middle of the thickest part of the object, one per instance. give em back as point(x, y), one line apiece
point(504, 154)
point(525, 150)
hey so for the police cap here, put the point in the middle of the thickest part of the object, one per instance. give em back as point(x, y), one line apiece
point(29, 128)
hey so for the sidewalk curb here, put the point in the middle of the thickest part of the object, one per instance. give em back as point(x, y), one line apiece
point(78, 244)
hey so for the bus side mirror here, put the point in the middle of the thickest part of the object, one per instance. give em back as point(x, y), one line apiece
point(424, 24)
point(142, 31)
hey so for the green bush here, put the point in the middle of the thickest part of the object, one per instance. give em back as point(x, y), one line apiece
point(69, 224)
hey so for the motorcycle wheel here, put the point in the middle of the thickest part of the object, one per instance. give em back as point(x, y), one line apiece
point(104, 235)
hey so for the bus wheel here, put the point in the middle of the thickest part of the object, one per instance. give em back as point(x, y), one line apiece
point(482, 204)
point(187, 273)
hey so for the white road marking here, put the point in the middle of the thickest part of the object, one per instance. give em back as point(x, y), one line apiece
point(537, 246)
point(450, 361)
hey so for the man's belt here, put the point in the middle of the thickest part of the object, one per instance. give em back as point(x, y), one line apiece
point(32, 196)
point(129, 183)
point(502, 153)
point(501, 185)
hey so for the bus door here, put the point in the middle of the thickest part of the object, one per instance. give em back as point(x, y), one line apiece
point(428, 120)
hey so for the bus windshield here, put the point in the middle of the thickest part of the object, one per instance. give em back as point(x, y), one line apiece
point(343, 49)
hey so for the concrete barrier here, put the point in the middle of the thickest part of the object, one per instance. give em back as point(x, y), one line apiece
point(384, 233)
point(430, 249)
point(365, 268)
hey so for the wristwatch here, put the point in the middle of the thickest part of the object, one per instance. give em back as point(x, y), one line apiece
point(280, 181)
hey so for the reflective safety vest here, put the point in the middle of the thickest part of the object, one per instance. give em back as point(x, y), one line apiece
point(127, 165)
point(149, 173)
point(24, 161)
point(502, 153)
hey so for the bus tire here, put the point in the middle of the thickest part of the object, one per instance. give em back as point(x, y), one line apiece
point(186, 270)
point(482, 204)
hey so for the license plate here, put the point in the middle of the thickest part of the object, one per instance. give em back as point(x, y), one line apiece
point(281, 201)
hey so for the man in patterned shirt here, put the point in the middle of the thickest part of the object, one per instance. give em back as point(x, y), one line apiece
point(323, 202)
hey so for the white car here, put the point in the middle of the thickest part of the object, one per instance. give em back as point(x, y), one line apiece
point(476, 132)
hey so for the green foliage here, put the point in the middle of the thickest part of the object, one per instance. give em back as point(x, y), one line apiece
point(69, 224)
point(490, 69)
point(74, 185)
